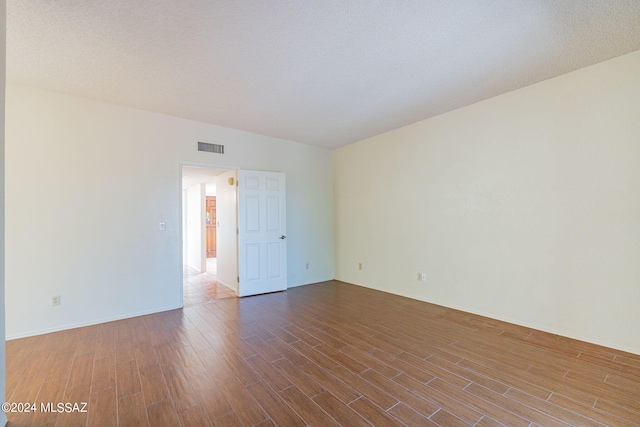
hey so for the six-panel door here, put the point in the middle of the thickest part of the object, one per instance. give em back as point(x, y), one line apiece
point(262, 231)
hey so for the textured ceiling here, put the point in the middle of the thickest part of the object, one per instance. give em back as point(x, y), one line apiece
point(324, 72)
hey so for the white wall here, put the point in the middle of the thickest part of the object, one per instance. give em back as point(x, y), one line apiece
point(196, 237)
point(184, 227)
point(3, 46)
point(226, 236)
point(523, 207)
point(87, 184)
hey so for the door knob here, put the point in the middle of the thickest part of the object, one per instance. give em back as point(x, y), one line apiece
point(283, 237)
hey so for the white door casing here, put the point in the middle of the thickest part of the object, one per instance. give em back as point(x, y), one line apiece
point(262, 231)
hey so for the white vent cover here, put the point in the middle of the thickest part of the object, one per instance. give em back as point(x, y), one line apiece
point(211, 148)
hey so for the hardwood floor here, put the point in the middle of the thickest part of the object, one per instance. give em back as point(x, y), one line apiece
point(322, 355)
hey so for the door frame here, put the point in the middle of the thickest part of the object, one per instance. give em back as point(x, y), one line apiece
point(178, 226)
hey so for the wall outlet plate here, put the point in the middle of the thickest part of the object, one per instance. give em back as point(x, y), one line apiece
point(55, 300)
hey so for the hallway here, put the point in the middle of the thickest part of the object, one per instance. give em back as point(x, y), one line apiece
point(202, 288)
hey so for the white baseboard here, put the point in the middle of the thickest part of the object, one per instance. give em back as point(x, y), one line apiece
point(90, 323)
point(226, 285)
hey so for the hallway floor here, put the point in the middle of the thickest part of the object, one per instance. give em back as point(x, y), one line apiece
point(202, 288)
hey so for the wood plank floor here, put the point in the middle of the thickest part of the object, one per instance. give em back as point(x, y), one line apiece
point(323, 355)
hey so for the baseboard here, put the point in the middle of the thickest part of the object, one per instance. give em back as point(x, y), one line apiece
point(226, 285)
point(542, 328)
point(307, 282)
point(90, 323)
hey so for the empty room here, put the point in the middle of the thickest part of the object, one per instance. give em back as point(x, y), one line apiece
point(416, 213)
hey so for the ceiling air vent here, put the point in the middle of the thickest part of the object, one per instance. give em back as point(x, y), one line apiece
point(211, 148)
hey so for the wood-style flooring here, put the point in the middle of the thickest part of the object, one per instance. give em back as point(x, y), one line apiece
point(201, 288)
point(322, 355)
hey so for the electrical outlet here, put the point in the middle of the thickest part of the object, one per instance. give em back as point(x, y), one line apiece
point(55, 300)
point(359, 266)
point(422, 277)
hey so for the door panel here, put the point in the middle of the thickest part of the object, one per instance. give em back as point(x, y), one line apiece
point(253, 261)
point(273, 213)
point(273, 260)
point(252, 212)
point(262, 248)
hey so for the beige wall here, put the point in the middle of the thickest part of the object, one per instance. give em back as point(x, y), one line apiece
point(226, 231)
point(524, 207)
point(196, 238)
point(87, 184)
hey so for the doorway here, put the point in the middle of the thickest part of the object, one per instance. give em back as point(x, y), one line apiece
point(209, 256)
point(250, 233)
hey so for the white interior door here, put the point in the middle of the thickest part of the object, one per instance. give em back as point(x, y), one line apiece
point(262, 231)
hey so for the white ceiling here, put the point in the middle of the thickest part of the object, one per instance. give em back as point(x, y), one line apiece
point(324, 72)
